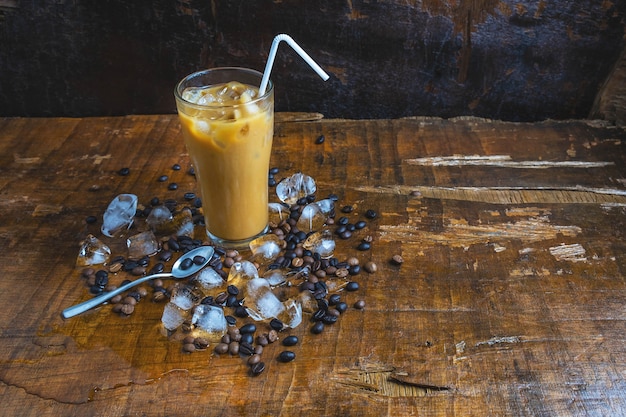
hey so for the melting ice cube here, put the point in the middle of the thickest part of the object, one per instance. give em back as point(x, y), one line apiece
point(209, 321)
point(173, 316)
point(277, 212)
point(142, 244)
point(208, 279)
point(321, 242)
point(276, 276)
point(291, 189)
point(266, 248)
point(184, 296)
point(292, 315)
point(260, 302)
point(119, 215)
point(93, 252)
point(311, 218)
point(242, 272)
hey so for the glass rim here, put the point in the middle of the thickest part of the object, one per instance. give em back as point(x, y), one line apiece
point(250, 71)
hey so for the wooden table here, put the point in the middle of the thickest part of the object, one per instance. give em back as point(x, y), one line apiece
point(511, 299)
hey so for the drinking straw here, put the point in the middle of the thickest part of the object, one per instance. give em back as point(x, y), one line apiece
point(272, 55)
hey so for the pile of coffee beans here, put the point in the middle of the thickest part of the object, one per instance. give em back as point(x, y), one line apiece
point(244, 337)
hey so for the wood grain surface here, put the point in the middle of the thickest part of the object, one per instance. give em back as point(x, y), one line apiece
point(510, 301)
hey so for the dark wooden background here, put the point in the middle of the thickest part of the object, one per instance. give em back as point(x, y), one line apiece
point(514, 60)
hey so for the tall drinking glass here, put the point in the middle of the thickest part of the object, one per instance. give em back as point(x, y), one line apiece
point(228, 130)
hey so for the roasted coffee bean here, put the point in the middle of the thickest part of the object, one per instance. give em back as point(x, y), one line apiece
point(370, 267)
point(354, 270)
point(176, 167)
point(116, 299)
point(352, 286)
point(165, 256)
point(96, 289)
point(272, 336)
point(318, 315)
point(360, 225)
point(371, 214)
point(127, 309)
point(286, 356)
point(246, 349)
point(248, 328)
point(290, 340)
point(221, 348)
point(317, 328)
point(257, 368)
point(233, 348)
point(277, 325)
point(261, 340)
point(347, 209)
point(199, 260)
point(102, 278)
point(124, 171)
point(157, 268)
point(397, 260)
point(342, 272)
point(346, 235)
point(359, 305)
point(189, 348)
point(231, 320)
point(186, 264)
point(172, 186)
point(162, 178)
point(254, 359)
point(201, 343)
point(232, 290)
point(334, 299)
point(341, 307)
point(247, 338)
point(91, 219)
point(232, 301)
point(320, 139)
point(189, 196)
point(221, 298)
point(363, 246)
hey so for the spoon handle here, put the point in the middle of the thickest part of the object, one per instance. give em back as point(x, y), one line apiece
point(89, 304)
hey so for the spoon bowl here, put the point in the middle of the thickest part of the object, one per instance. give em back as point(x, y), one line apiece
point(187, 265)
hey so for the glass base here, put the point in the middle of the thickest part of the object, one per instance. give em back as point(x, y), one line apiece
point(234, 244)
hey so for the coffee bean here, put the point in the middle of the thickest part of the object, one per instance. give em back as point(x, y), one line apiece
point(347, 209)
point(186, 264)
point(254, 359)
point(246, 349)
point(91, 219)
point(360, 225)
point(201, 343)
point(341, 307)
point(176, 167)
point(162, 178)
point(232, 290)
point(189, 196)
point(221, 348)
point(233, 348)
point(370, 267)
point(397, 260)
point(247, 338)
point(189, 348)
point(277, 325)
point(363, 246)
point(320, 139)
point(317, 328)
point(248, 328)
point(354, 270)
point(172, 186)
point(290, 340)
point(257, 368)
point(359, 305)
point(329, 319)
point(124, 171)
point(371, 214)
point(286, 356)
point(352, 286)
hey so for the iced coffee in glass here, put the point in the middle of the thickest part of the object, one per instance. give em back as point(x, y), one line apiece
point(228, 131)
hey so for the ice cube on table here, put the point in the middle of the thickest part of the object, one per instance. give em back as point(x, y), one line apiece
point(321, 242)
point(184, 296)
point(260, 302)
point(326, 206)
point(208, 279)
point(311, 218)
point(209, 322)
point(158, 217)
point(277, 213)
point(240, 273)
point(92, 252)
point(266, 248)
point(173, 316)
point(292, 315)
point(276, 276)
point(292, 188)
point(119, 215)
point(142, 244)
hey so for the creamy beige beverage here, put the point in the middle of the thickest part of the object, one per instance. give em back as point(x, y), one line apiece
point(228, 132)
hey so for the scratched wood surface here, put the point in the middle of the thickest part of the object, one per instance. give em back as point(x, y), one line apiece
point(510, 300)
